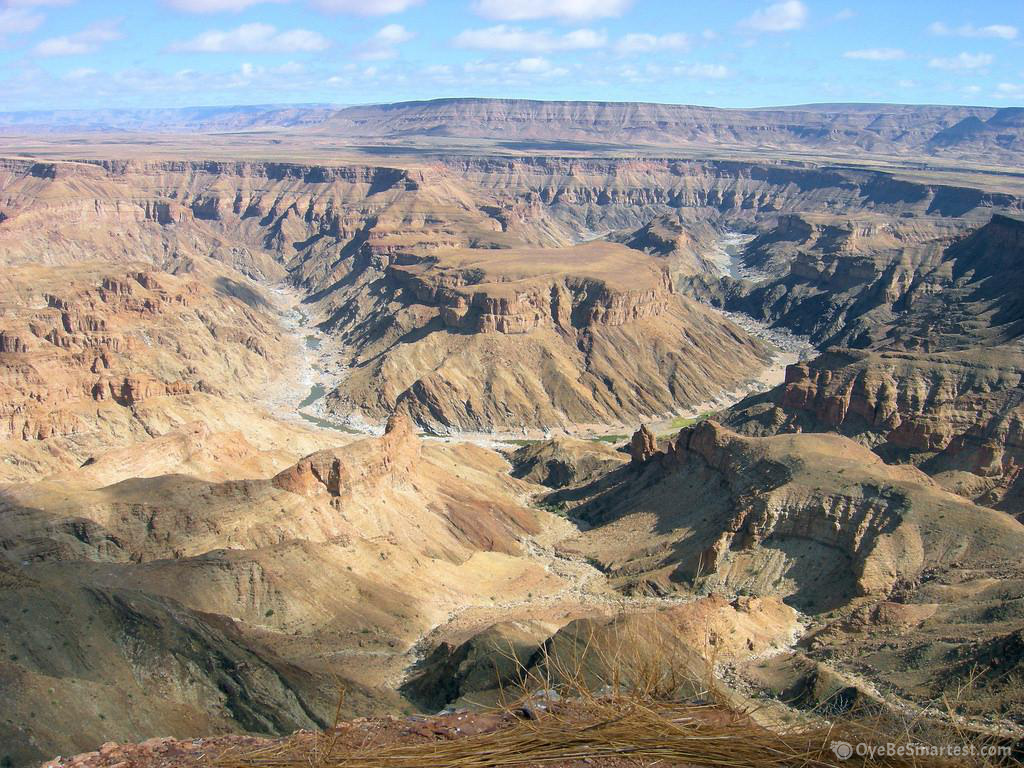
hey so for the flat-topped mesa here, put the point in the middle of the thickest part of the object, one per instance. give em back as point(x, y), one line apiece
point(520, 290)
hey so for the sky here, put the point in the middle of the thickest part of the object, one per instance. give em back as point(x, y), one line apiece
point(88, 54)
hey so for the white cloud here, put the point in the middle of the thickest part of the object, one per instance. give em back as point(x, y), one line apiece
point(1009, 91)
point(778, 17)
point(384, 44)
point(645, 43)
point(254, 38)
point(538, 65)
point(289, 68)
point(18, 17)
point(844, 15)
point(17, 21)
point(963, 62)
point(570, 10)
point(89, 40)
point(365, 7)
point(703, 71)
point(505, 38)
point(477, 67)
point(216, 6)
point(81, 73)
point(877, 54)
point(1001, 31)
point(393, 34)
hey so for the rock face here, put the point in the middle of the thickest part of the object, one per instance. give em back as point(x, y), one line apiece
point(82, 347)
point(868, 280)
point(562, 462)
point(365, 465)
point(643, 445)
point(937, 380)
point(517, 291)
point(597, 332)
point(815, 517)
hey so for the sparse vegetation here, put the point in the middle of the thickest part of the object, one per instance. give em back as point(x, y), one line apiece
point(556, 508)
point(681, 422)
point(635, 702)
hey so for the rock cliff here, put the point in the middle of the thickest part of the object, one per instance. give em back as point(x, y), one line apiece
point(937, 380)
point(816, 518)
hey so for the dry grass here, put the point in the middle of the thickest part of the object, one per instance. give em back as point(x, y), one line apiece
point(619, 699)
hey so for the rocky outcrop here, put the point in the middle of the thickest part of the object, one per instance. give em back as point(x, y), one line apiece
point(937, 378)
point(816, 518)
point(389, 459)
point(563, 461)
point(643, 445)
point(597, 327)
point(76, 342)
point(570, 304)
point(519, 291)
point(851, 523)
point(10, 343)
point(493, 659)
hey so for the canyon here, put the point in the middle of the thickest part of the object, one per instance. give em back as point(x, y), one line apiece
point(275, 427)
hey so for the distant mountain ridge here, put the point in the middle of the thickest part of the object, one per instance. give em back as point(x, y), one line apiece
point(984, 133)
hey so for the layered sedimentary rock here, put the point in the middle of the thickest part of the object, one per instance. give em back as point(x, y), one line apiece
point(85, 346)
point(520, 338)
point(370, 244)
point(937, 377)
point(897, 129)
point(521, 290)
point(513, 338)
point(815, 517)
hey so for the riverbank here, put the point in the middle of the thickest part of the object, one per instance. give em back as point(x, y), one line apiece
point(320, 369)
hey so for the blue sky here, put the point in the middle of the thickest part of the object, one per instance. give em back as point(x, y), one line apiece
point(733, 53)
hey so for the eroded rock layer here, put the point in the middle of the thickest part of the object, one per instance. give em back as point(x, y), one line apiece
point(936, 373)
